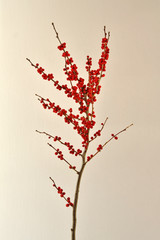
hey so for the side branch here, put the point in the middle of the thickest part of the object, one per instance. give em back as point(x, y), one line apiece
point(62, 158)
point(50, 77)
point(62, 193)
point(57, 36)
point(105, 34)
point(31, 62)
point(71, 118)
point(98, 133)
point(67, 144)
point(117, 134)
point(100, 147)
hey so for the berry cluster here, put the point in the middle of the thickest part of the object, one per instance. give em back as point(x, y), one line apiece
point(45, 76)
point(71, 69)
point(72, 150)
point(69, 202)
point(72, 167)
point(100, 147)
point(88, 64)
point(60, 191)
point(62, 46)
point(115, 137)
point(96, 134)
point(68, 145)
point(56, 138)
point(89, 157)
point(59, 154)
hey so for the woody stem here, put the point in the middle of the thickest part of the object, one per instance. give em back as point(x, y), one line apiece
point(74, 216)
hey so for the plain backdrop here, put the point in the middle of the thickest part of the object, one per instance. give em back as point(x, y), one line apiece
point(120, 189)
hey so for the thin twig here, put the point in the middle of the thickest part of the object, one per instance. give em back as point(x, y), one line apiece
point(63, 158)
point(113, 137)
point(105, 34)
point(32, 64)
point(57, 36)
point(54, 184)
point(100, 130)
point(50, 136)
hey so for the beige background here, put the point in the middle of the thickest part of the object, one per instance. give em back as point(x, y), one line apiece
point(120, 191)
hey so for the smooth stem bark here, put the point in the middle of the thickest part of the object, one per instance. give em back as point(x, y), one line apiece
point(74, 218)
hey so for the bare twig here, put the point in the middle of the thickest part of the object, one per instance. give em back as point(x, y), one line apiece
point(105, 34)
point(57, 36)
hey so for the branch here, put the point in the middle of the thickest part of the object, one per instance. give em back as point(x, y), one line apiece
point(57, 36)
point(59, 108)
point(56, 138)
point(70, 166)
point(101, 73)
point(31, 63)
point(96, 134)
point(105, 34)
point(60, 191)
point(114, 136)
point(62, 112)
point(56, 84)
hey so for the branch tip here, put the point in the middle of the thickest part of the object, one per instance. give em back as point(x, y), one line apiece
point(105, 34)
